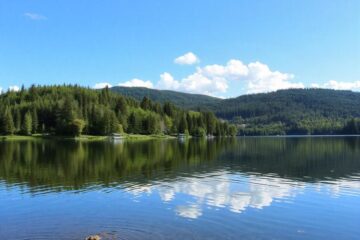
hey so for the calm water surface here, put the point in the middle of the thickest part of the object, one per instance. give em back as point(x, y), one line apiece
point(242, 188)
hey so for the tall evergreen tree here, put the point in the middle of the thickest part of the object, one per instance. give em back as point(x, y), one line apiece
point(8, 122)
point(27, 124)
point(183, 127)
point(35, 120)
point(146, 103)
point(17, 120)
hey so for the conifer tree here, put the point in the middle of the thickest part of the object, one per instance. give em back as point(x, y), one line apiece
point(146, 103)
point(17, 120)
point(183, 128)
point(8, 122)
point(35, 120)
point(27, 124)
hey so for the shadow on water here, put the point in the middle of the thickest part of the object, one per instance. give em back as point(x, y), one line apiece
point(69, 165)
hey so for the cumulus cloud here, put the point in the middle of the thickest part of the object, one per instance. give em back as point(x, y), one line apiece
point(1, 89)
point(102, 85)
point(137, 83)
point(167, 81)
point(34, 16)
point(14, 88)
point(262, 79)
point(191, 211)
point(167, 194)
point(220, 191)
point(187, 59)
point(215, 79)
point(332, 84)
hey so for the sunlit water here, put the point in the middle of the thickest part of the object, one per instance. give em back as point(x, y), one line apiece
point(244, 188)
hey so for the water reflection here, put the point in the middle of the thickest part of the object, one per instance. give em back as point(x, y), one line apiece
point(236, 174)
point(222, 190)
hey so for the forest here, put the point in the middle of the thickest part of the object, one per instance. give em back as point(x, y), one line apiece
point(73, 110)
point(179, 99)
point(284, 112)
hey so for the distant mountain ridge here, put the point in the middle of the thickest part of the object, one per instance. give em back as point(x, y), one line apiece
point(180, 99)
point(291, 111)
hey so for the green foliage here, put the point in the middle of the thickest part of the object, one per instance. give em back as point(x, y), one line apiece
point(179, 99)
point(7, 122)
point(73, 110)
point(233, 130)
point(352, 126)
point(293, 111)
point(35, 121)
point(183, 125)
point(76, 127)
point(200, 132)
point(146, 104)
point(27, 124)
point(17, 120)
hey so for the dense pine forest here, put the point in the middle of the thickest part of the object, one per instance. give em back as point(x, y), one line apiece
point(295, 111)
point(291, 111)
point(74, 110)
point(179, 99)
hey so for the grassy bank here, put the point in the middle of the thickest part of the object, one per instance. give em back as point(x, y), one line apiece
point(82, 137)
point(147, 137)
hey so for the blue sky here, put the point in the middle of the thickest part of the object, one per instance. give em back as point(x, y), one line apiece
point(228, 47)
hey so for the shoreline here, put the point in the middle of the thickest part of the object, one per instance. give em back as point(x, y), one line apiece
point(83, 137)
point(141, 137)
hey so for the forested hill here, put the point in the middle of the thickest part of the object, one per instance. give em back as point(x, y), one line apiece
point(180, 99)
point(292, 111)
point(73, 110)
point(294, 103)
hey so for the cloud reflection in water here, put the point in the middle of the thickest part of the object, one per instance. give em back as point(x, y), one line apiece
point(223, 190)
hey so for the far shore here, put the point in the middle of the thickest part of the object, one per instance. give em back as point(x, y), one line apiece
point(83, 137)
point(138, 137)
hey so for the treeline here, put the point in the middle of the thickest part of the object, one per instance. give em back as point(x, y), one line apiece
point(291, 111)
point(74, 110)
point(294, 111)
point(320, 126)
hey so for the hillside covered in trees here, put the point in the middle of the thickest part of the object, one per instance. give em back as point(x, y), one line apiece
point(292, 111)
point(73, 110)
point(179, 99)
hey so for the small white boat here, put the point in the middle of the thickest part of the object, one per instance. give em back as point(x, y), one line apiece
point(117, 136)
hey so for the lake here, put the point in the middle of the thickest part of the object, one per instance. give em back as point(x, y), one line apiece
point(240, 188)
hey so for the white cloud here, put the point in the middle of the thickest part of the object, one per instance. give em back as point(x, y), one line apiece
point(187, 59)
point(102, 85)
point(192, 211)
point(199, 83)
point(167, 194)
point(234, 70)
point(167, 81)
point(1, 89)
point(261, 79)
point(221, 191)
point(332, 84)
point(215, 79)
point(35, 16)
point(137, 83)
point(14, 88)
